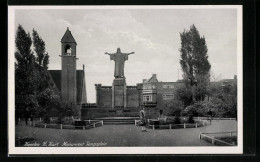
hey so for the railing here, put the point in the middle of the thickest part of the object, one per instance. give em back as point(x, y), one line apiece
point(63, 126)
point(149, 104)
point(213, 118)
point(214, 140)
point(89, 105)
point(93, 125)
point(174, 126)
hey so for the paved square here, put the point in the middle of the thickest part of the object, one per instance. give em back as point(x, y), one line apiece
point(127, 135)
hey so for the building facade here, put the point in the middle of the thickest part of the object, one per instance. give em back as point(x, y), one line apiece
point(69, 81)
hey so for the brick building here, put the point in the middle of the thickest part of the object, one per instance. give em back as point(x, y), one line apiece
point(69, 81)
point(155, 93)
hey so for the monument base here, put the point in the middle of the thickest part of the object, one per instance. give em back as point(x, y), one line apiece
point(90, 113)
point(119, 93)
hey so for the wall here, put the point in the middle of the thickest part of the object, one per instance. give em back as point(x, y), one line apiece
point(161, 90)
point(89, 113)
point(132, 97)
point(104, 96)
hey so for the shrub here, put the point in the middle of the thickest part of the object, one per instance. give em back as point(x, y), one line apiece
point(46, 119)
point(199, 108)
point(177, 120)
point(173, 108)
point(190, 119)
point(173, 120)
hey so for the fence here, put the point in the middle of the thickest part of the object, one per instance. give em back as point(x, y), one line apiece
point(174, 126)
point(213, 140)
point(92, 124)
point(213, 118)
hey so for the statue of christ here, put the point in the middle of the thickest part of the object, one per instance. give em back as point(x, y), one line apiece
point(119, 59)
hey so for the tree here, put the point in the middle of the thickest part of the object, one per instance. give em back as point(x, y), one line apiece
point(184, 94)
point(41, 62)
point(194, 62)
point(25, 78)
point(65, 110)
point(48, 101)
point(39, 48)
point(227, 100)
point(31, 75)
point(223, 101)
point(24, 64)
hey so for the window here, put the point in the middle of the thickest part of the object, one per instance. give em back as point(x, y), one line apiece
point(147, 98)
point(147, 86)
point(68, 50)
point(168, 86)
point(168, 97)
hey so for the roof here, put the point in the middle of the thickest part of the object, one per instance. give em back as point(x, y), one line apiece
point(227, 80)
point(56, 77)
point(153, 79)
point(67, 37)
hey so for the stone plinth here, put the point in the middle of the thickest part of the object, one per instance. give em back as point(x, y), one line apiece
point(119, 93)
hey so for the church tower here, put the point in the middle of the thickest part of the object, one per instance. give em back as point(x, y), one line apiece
point(68, 74)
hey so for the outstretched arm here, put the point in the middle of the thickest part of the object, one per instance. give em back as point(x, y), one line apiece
point(109, 53)
point(129, 53)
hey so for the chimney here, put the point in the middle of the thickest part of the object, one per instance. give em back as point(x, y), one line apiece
point(154, 76)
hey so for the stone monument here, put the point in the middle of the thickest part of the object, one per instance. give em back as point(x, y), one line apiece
point(119, 88)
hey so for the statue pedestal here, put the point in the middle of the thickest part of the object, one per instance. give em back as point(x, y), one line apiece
point(119, 93)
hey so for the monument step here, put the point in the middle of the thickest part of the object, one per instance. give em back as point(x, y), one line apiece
point(117, 118)
point(119, 123)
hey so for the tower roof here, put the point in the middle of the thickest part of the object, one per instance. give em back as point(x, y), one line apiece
point(67, 37)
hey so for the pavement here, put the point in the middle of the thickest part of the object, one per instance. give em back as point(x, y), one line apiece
point(126, 135)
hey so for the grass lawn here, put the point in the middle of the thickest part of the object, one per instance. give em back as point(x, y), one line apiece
point(125, 135)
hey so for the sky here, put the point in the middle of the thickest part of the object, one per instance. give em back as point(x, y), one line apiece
point(153, 34)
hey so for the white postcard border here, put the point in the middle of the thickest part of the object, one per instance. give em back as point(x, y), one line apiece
point(122, 150)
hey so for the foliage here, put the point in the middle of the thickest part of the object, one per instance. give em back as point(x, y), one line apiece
point(177, 120)
point(39, 48)
point(65, 110)
point(28, 106)
point(190, 119)
point(41, 62)
point(194, 63)
point(201, 89)
point(173, 120)
point(25, 78)
point(222, 103)
point(24, 73)
point(173, 108)
point(184, 94)
point(33, 96)
point(48, 101)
